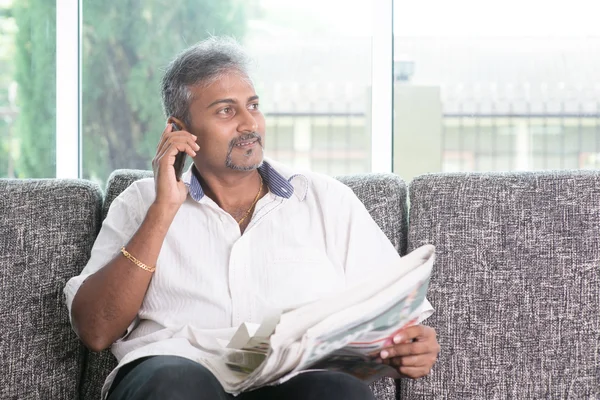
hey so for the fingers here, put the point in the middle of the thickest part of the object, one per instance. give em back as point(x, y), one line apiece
point(163, 136)
point(414, 342)
point(172, 143)
point(169, 154)
point(174, 147)
point(180, 140)
point(415, 332)
point(169, 136)
point(413, 367)
point(414, 353)
point(406, 349)
point(411, 361)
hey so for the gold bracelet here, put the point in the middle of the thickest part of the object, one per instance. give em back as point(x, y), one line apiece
point(136, 261)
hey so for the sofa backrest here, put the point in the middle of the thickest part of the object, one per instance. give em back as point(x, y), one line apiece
point(516, 284)
point(384, 196)
point(47, 228)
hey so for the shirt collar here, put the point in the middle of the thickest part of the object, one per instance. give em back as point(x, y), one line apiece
point(273, 176)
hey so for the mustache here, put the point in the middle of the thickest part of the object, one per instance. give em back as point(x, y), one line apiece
point(244, 138)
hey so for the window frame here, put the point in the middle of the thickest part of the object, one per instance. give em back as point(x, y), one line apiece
point(68, 89)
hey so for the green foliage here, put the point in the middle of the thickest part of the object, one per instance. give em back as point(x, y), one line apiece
point(126, 46)
point(35, 74)
point(6, 78)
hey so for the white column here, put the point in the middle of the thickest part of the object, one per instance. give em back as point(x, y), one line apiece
point(302, 142)
point(522, 145)
point(417, 130)
point(67, 89)
point(382, 76)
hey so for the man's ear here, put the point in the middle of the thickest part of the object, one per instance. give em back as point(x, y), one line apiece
point(180, 125)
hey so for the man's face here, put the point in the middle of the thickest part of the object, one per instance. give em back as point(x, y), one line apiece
point(228, 123)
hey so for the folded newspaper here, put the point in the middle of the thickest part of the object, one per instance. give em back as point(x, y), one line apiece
point(344, 332)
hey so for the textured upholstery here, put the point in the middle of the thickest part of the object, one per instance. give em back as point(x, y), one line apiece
point(47, 228)
point(118, 181)
point(516, 284)
point(383, 195)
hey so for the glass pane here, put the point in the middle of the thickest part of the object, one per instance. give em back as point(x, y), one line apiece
point(485, 86)
point(27, 88)
point(311, 70)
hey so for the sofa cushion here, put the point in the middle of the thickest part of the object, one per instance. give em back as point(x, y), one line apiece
point(516, 283)
point(384, 195)
point(46, 233)
point(118, 181)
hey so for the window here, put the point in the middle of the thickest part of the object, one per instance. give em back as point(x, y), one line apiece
point(312, 71)
point(125, 47)
point(483, 86)
point(466, 85)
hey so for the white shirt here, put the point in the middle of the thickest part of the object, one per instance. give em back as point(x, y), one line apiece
point(308, 237)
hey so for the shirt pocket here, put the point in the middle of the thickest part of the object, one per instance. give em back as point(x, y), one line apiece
point(296, 276)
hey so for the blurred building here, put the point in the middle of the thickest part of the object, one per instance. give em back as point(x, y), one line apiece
point(460, 104)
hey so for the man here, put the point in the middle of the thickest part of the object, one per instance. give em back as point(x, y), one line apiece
point(179, 264)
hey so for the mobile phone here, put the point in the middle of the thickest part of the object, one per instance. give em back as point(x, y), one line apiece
point(179, 159)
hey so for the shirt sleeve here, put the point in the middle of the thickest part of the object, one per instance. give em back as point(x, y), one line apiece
point(122, 221)
point(365, 249)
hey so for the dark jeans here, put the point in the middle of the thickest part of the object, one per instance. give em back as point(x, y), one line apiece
point(177, 378)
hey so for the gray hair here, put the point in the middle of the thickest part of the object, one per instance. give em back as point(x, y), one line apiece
point(199, 65)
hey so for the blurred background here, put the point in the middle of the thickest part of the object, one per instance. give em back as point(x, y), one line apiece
point(477, 86)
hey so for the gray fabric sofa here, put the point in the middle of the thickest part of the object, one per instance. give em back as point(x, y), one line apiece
point(47, 229)
point(516, 283)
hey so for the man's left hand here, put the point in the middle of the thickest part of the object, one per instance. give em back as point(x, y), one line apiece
point(414, 352)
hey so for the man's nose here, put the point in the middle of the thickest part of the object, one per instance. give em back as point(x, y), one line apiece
point(247, 122)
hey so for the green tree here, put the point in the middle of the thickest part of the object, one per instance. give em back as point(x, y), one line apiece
point(126, 46)
point(7, 109)
point(35, 74)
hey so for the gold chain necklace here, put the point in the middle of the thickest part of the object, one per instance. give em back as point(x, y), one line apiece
point(253, 203)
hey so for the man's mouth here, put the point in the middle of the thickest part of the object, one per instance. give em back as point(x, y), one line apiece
point(246, 143)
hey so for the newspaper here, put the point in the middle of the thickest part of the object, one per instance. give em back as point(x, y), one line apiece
point(344, 332)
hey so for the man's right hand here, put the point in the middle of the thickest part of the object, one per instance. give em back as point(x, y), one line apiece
point(169, 191)
point(108, 300)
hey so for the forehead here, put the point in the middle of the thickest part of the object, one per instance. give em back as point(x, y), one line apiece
point(231, 85)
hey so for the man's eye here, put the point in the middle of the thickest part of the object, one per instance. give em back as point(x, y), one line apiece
point(225, 110)
point(254, 106)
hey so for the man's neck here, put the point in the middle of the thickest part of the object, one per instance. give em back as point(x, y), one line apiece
point(230, 191)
